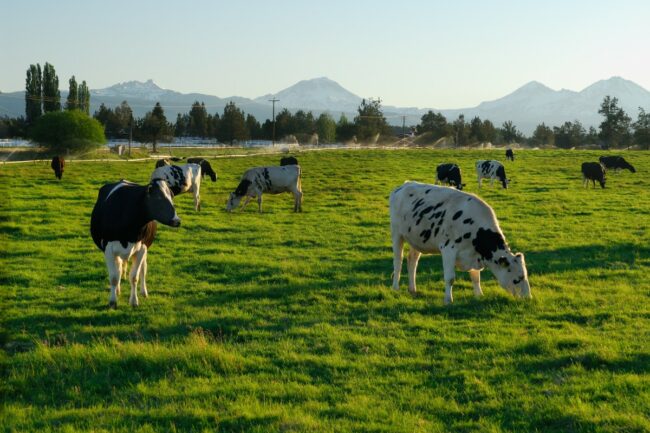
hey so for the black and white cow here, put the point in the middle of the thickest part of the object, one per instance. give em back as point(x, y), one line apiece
point(123, 226)
point(181, 178)
point(58, 164)
point(449, 174)
point(462, 227)
point(288, 160)
point(206, 168)
point(491, 169)
point(272, 180)
point(510, 155)
point(167, 161)
point(616, 163)
point(593, 171)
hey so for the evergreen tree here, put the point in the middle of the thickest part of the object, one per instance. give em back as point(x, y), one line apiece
point(370, 123)
point(254, 127)
point(488, 131)
point(84, 97)
point(569, 135)
point(153, 127)
point(198, 126)
point(642, 129)
point(284, 124)
point(123, 118)
point(345, 131)
point(181, 125)
point(72, 103)
point(33, 94)
point(326, 128)
point(509, 132)
point(476, 130)
point(435, 123)
point(51, 92)
point(459, 127)
point(232, 125)
point(543, 135)
point(615, 129)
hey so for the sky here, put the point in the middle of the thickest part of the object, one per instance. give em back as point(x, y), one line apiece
point(409, 53)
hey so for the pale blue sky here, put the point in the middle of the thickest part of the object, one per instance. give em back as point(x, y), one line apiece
point(442, 54)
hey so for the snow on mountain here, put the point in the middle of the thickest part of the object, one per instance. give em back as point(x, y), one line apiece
point(134, 89)
point(316, 94)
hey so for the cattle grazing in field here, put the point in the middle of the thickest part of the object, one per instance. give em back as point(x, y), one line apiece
point(272, 180)
point(493, 170)
point(206, 168)
point(462, 227)
point(510, 155)
point(181, 178)
point(167, 161)
point(616, 163)
point(593, 171)
point(123, 226)
point(58, 164)
point(449, 174)
point(288, 160)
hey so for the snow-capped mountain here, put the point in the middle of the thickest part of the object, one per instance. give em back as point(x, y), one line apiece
point(134, 89)
point(320, 94)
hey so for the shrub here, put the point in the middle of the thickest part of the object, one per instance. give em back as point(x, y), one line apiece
point(68, 131)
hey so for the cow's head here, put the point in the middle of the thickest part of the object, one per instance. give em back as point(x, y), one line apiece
point(510, 270)
point(159, 203)
point(235, 197)
point(206, 169)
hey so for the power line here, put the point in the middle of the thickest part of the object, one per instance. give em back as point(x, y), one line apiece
point(274, 100)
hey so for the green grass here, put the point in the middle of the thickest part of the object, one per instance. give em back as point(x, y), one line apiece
point(286, 322)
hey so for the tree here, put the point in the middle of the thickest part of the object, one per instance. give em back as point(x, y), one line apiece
point(475, 130)
point(642, 129)
point(68, 131)
point(254, 127)
point(509, 132)
point(232, 125)
point(33, 94)
point(284, 123)
point(569, 135)
point(543, 135)
point(181, 125)
point(51, 92)
point(615, 129)
point(72, 102)
point(326, 128)
point(345, 131)
point(84, 97)
point(370, 123)
point(435, 123)
point(459, 128)
point(488, 131)
point(153, 127)
point(198, 126)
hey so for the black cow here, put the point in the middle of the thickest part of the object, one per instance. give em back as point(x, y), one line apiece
point(123, 226)
point(206, 168)
point(58, 164)
point(449, 174)
point(616, 163)
point(510, 155)
point(289, 160)
point(167, 161)
point(593, 171)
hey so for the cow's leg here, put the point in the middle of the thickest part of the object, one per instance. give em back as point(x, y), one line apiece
point(412, 265)
point(398, 250)
point(475, 275)
point(138, 258)
point(113, 275)
point(197, 197)
point(248, 198)
point(479, 182)
point(297, 201)
point(585, 182)
point(143, 276)
point(120, 265)
point(449, 272)
point(259, 203)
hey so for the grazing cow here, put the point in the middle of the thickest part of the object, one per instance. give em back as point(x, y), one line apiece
point(206, 168)
point(462, 227)
point(615, 162)
point(288, 160)
point(58, 164)
point(593, 171)
point(449, 174)
point(491, 169)
point(167, 161)
point(510, 155)
point(272, 180)
point(123, 226)
point(181, 178)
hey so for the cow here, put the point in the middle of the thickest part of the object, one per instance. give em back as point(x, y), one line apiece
point(615, 162)
point(167, 161)
point(58, 164)
point(510, 155)
point(459, 225)
point(288, 160)
point(123, 226)
point(593, 171)
point(491, 169)
point(181, 178)
point(272, 180)
point(449, 174)
point(206, 168)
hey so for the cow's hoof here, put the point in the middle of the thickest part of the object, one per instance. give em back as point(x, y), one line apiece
point(112, 305)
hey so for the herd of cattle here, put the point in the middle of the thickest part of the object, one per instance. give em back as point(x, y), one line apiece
point(430, 218)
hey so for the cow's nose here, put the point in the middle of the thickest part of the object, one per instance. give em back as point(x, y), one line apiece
point(176, 222)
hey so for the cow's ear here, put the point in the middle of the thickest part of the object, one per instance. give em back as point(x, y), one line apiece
point(503, 262)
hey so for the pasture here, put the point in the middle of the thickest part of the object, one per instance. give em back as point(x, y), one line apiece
point(286, 322)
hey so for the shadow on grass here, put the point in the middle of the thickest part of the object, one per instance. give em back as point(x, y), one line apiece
point(637, 363)
point(584, 257)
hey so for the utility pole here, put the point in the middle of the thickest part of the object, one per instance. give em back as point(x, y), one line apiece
point(403, 126)
point(273, 101)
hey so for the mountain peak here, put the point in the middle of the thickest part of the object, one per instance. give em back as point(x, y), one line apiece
point(135, 89)
point(319, 93)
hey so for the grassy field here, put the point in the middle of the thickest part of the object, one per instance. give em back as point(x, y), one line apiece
point(286, 322)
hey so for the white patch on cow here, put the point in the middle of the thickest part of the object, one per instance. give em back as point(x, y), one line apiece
point(116, 187)
point(271, 180)
point(191, 180)
point(117, 257)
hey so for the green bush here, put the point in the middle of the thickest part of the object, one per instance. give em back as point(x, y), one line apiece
point(68, 131)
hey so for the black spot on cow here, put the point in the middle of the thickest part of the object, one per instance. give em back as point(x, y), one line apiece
point(417, 204)
point(447, 242)
point(424, 212)
point(457, 215)
point(242, 188)
point(468, 221)
point(425, 234)
point(435, 232)
point(487, 242)
point(409, 229)
point(467, 235)
point(438, 205)
point(485, 166)
point(459, 239)
point(427, 191)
